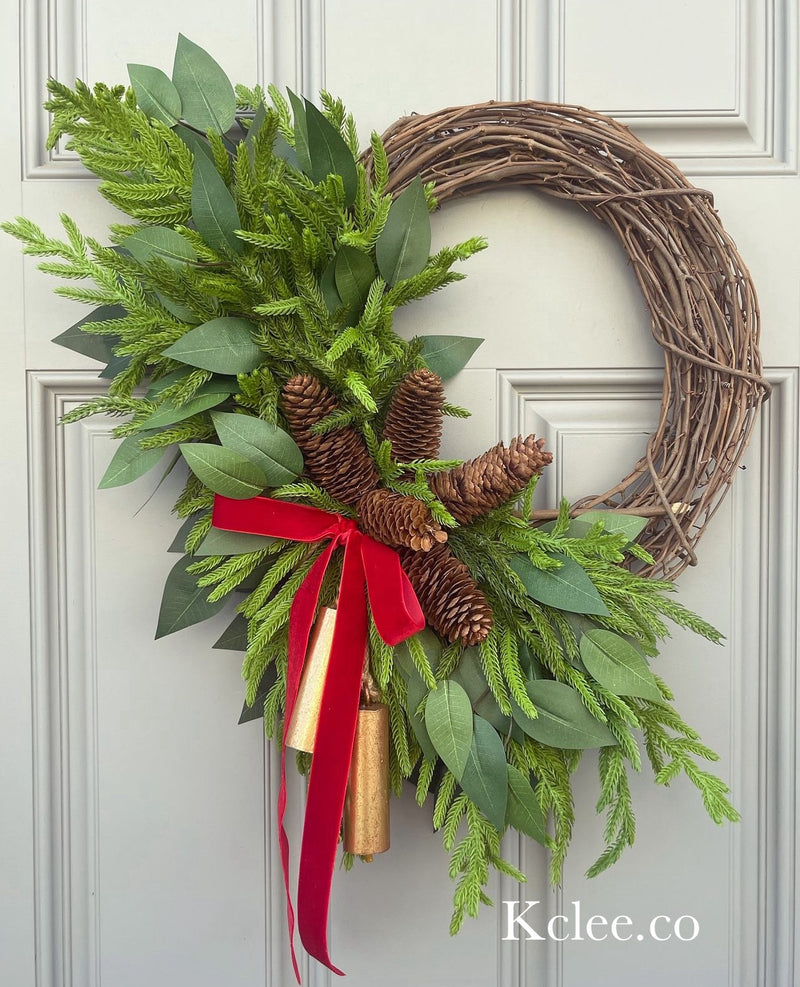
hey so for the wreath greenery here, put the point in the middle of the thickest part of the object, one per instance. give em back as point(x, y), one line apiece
point(262, 248)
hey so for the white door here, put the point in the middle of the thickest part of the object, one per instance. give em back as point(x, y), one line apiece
point(137, 837)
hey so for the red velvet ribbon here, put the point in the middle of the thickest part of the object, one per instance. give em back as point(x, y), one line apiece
point(397, 615)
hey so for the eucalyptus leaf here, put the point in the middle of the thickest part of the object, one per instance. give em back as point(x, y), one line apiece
point(617, 665)
point(213, 209)
point(568, 588)
point(130, 462)
point(249, 583)
point(285, 152)
point(224, 346)
point(524, 812)
point(170, 247)
point(224, 471)
point(221, 542)
point(354, 272)
point(256, 124)
point(327, 284)
point(207, 396)
point(300, 133)
point(94, 345)
point(197, 145)
point(157, 387)
point(485, 776)
point(184, 602)
point(448, 718)
point(417, 690)
point(563, 720)
point(178, 543)
point(207, 96)
point(430, 644)
point(274, 451)
point(155, 93)
point(115, 366)
point(172, 461)
point(448, 355)
point(404, 245)
point(487, 708)
point(405, 662)
point(328, 152)
point(179, 310)
point(469, 674)
point(580, 624)
point(234, 637)
point(160, 241)
point(531, 668)
point(613, 523)
point(256, 711)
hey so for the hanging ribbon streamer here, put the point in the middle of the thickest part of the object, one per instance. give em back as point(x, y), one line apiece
point(397, 615)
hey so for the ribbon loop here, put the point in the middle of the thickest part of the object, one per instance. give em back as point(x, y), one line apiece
point(369, 567)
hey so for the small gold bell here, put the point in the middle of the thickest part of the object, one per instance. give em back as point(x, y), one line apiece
point(305, 716)
point(366, 808)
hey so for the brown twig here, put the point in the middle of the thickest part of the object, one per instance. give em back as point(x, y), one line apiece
point(703, 305)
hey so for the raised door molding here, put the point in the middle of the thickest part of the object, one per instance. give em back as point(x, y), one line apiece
point(745, 125)
point(751, 129)
point(55, 42)
point(67, 710)
point(761, 906)
point(64, 712)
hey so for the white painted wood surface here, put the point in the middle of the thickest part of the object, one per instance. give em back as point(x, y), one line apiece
point(138, 842)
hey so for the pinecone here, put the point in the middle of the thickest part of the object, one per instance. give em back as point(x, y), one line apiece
point(414, 421)
point(450, 598)
point(474, 488)
point(338, 460)
point(399, 521)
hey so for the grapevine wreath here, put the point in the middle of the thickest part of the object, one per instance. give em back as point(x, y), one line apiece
point(402, 615)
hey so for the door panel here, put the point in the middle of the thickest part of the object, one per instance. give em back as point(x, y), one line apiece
point(138, 818)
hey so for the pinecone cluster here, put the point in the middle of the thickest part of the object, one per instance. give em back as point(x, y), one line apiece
point(414, 421)
point(476, 487)
point(399, 521)
point(450, 598)
point(340, 463)
point(338, 460)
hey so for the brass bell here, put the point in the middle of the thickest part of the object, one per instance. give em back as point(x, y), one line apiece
point(366, 808)
point(305, 716)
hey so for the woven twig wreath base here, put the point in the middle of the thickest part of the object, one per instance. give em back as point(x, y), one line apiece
point(701, 299)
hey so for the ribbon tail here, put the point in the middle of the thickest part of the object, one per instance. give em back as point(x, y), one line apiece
point(392, 600)
point(330, 765)
point(300, 621)
point(397, 615)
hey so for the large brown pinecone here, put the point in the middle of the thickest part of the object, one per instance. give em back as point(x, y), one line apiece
point(403, 522)
point(338, 460)
point(450, 598)
point(472, 489)
point(414, 421)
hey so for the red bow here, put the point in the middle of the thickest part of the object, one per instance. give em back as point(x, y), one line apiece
point(397, 615)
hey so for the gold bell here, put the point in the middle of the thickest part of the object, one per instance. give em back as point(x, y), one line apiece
point(305, 716)
point(366, 807)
